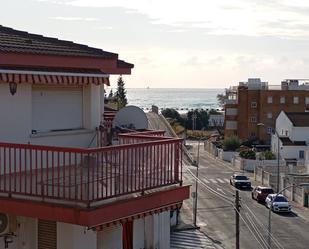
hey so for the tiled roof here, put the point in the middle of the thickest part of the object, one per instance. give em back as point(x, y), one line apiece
point(299, 119)
point(16, 41)
point(288, 142)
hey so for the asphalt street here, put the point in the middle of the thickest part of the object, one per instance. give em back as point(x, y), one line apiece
point(216, 215)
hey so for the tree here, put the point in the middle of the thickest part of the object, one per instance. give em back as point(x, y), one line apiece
point(248, 154)
point(268, 155)
point(214, 112)
point(201, 121)
point(221, 99)
point(172, 113)
point(231, 143)
point(121, 94)
point(111, 94)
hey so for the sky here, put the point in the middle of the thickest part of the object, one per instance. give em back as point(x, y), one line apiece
point(178, 43)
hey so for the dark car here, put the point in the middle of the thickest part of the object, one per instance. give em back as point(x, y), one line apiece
point(260, 193)
point(240, 181)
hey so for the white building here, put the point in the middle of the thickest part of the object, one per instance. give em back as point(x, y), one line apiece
point(59, 188)
point(293, 131)
point(216, 120)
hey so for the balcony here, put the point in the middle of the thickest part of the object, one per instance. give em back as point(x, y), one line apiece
point(88, 177)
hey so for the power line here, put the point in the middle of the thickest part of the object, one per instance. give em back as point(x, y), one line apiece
point(223, 197)
point(263, 226)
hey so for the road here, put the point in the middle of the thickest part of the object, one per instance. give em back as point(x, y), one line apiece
point(216, 215)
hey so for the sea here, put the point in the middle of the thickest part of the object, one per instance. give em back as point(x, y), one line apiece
point(181, 99)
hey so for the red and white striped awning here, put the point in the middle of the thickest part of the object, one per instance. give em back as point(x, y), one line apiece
point(53, 77)
point(138, 216)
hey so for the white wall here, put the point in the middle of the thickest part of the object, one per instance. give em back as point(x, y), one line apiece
point(138, 233)
point(157, 230)
point(75, 237)
point(110, 237)
point(26, 234)
point(230, 125)
point(300, 134)
point(216, 120)
point(15, 114)
point(283, 124)
point(231, 111)
point(292, 151)
point(16, 122)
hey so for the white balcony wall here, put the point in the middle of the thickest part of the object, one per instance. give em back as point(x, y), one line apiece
point(230, 125)
point(231, 111)
point(16, 118)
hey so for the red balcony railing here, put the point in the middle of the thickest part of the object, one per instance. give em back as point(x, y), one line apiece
point(86, 176)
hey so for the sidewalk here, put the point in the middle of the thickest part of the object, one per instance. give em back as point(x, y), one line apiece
point(186, 236)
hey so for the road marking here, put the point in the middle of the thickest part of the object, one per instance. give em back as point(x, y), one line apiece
point(206, 181)
point(220, 180)
point(213, 181)
point(220, 190)
point(227, 180)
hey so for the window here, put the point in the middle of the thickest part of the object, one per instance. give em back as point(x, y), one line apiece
point(282, 100)
point(269, 130)
point(269, 99)
point(269, 115)
point(307, 100)
point(66, 113)
point(301, 154)
point(295, 100)
point(253, 104)
point(253, 119)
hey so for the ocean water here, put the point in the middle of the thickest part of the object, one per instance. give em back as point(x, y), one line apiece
point(181, 99)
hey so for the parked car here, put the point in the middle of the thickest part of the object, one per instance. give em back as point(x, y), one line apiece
point(260, 193)
point(278, 203)
point(240, 181)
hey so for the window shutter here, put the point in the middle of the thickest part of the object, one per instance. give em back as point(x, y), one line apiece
point(47, 234)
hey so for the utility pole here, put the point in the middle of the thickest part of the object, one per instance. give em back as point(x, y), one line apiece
point(237, 210)
point(194, 116)
point(196, 185)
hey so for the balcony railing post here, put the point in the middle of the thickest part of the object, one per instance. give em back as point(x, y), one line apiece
point(176, 163)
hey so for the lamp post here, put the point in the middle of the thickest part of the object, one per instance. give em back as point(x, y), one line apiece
point(278, 157)
point(270, 209)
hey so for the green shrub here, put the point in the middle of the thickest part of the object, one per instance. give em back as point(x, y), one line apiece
point(268, 155)
point(231, 143)
point(248, 154)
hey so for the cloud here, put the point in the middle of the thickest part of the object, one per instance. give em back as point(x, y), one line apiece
point(224, 17)
point(67, 18)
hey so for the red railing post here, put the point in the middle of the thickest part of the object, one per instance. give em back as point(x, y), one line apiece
point(176, 162)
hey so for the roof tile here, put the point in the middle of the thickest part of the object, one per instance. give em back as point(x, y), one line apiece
point(16, 41)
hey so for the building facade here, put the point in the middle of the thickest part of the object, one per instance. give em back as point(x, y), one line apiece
point(292, 133)
point(59, 188)
point(255, 102)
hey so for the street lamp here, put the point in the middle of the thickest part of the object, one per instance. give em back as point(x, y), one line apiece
point(270, 209)
point(278, 157)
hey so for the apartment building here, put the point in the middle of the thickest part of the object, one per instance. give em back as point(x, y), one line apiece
point(59, 187)
point(255, 102)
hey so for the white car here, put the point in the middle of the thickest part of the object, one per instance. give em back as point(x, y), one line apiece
point(277, 203)
point(240, 181)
